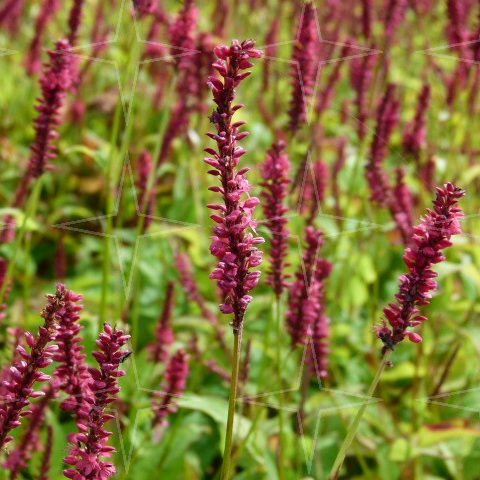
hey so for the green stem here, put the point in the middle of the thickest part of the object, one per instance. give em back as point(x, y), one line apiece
point(113, 172)
point(281, 443)
point(132, 277)
point(352, 431)
point(231, 404)
point(30, 212)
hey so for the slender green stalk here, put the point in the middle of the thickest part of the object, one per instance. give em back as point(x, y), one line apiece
point(31, 209)
point(131, 275)
point(281, 437)
point(352, 431)
point(112, 173)
point(227, 454)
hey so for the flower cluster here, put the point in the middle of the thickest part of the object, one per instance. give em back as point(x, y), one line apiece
point(319, 347)
point(275, 171)
point(26, 371)
point(30, 442)
point(361, 77)
point(395, 13)
point(164, 333)
point(387, 119)
point(47, 11)
point(231, 244)
point(90, 444)
point(173, 387)
point(182, 34)
point(416, 132)
point(401, 206)
point(55, 83)
point(74, 21)
point(302, 308)
point(72, 373)
point(303, 67)
point(431, 236)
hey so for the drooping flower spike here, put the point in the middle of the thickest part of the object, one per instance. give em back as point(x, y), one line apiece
point(430, 237)
point(232, 243)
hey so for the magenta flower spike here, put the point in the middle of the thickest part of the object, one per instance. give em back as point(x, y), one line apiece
point(74, 21)
point(72, 374)
point(302, 308)
point(11, 13)
point(55, 83)
point(430, 237)
point(164, 334)
point(231, 244)
point(319, 347)
point(90, 445)
point(361, 78)
point(275, 172)
point(303, 67)
point(387, 120)
point(367, 13)
point(415, 133)
point(395, 13)
point(25, 372)
point(30, 442)
point(182, 35)
point(401, 207)
point(172, 388)
point(34, 60)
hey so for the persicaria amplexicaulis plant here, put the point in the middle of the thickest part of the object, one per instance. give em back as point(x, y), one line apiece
point(319, 347)
point(72, 374)
point(24, 373)
point(173, 386)
point(55, 82)
point(430, 237)
point(164, 332)
point(303, 67)
point(232, 244)
point(275, 172)
point(90, 445)
point(302, 308)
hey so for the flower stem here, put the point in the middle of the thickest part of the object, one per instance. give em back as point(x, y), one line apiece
point(281, 444)
point(352, 431)
point(227, 454)
point(113, 172)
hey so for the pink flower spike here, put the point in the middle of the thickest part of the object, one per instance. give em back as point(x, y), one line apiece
point(232, 244)
point(430, 237)
point(89, 446)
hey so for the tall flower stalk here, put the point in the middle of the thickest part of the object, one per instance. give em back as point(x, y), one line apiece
point(431, 236)
point(232, 244)
point(26, 372)
point(55, 82)
point(90, 444)
point(275, 172)
point(303, 68)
